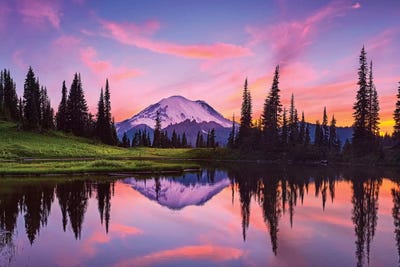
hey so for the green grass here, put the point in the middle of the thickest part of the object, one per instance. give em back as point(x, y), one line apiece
point(95, 166)
point(18, 144)
point(23, 152)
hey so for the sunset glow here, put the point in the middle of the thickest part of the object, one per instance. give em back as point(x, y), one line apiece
point(204, 50)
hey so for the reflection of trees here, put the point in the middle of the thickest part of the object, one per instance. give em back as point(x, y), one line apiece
point(277, 190)
point(34, 201)
point(364, 214)
point(396, 216)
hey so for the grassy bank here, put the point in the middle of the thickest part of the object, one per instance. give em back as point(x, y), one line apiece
point(23, 152)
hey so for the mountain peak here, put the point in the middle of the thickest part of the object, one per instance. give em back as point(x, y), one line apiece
point(173, 110)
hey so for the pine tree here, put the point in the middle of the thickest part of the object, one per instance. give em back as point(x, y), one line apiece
point(360, 133)
point(232, 134)
point(125, 140)
point(285, 130)
point(47, 113)
point(174, 139)
point(302, 131)
point(184, 141)
point(246, 116)
point(318, 135)
point(61, 117)
point(293, 123)
point(333, 139)
point(77, 111)
point(307, 139)
point(271, 116)
point(211, 138)
point(9, 98)
point(102, 127)
point(157, 131)
point(31, 101)
point(325, 128)
point(109, 130)
point(373, 106)
point(396, 117)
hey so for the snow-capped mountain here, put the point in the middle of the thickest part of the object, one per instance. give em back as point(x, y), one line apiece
point(174, 110)
point(177, 193)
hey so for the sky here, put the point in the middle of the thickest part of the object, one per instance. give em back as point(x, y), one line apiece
point(204, 50)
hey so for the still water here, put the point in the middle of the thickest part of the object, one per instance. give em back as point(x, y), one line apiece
point(230, 216)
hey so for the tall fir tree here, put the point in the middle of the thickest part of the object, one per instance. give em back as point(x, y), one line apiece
point(271, 116)
point(396, 117)
point(360, 131)
point(285, 129)
point(110, 133)
point(318, 134)
point(246, 117)
point(102, 125)
point(293, 123)
point(8, 97)
point(232, 134)
point(325, 128)
point(373, 105)
point(333, 138)
point(184, 140)
point(307, 138)
point(157, 131)
point(47, 113)
point(31, 102)
point(77, 110)
point(302, 131)
point(61, 116)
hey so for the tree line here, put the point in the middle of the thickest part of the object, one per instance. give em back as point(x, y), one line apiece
point(279, 131)
point(34, 112)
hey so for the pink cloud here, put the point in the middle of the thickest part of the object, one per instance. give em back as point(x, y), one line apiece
point(89, 57)
point(213, 253)
point(289, 39)
point(40, 12)
point(138, 35)
point(356, 6)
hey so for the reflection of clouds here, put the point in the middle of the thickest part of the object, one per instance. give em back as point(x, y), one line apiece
point(202, 252)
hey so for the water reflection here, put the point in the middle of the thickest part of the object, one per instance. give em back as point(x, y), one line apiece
point(286, 200)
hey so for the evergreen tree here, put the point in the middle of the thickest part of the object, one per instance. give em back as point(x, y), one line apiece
point(103, 130)
point(174, 139)
point(157, 131)
point(61, 117)
point(293, 123)
point(232, 134)
point(31, 101)
point(211, 138)
point(271, 116)
point(246, 116)
point(8, 97)
point(110, 136)
point(333, 139)
point(47, 113)
point(284, 135)
point(396, 117)
point(302, 131)
point(360, 132)
point(373, 106)
point(125, 140)
point(77, 111)
point(200, 140)
point(184, 141)
point(325, 129)
point(318, 135)
point(307, 139)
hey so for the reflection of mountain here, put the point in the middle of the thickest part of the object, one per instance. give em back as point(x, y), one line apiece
point(177, 193)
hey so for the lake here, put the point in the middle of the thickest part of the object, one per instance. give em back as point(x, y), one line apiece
point(241, 215)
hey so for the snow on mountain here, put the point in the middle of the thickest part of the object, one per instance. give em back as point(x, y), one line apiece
point(174, 110)
point(177, 193)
